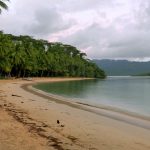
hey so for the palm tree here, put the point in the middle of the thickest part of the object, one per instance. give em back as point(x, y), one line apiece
point(3, 5)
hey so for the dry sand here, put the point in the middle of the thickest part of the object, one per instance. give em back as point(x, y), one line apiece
point(28, 120)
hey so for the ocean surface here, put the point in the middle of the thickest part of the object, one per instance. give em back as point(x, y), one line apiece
point(130, 94)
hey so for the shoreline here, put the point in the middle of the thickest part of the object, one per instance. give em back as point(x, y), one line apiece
point(79, 101)
point(79, 127)
point(106, 111)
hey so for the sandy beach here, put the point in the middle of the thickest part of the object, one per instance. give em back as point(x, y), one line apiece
point(29, 120)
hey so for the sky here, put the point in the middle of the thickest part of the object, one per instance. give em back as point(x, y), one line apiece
point(114, 29)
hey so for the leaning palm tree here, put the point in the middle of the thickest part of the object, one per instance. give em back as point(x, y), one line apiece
point(3, 5)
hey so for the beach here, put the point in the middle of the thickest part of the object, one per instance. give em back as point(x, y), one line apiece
point(31, 119)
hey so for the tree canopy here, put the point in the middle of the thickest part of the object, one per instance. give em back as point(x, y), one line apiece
point(23, 56)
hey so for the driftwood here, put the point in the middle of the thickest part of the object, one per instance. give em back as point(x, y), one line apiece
point(27, 79)
point(16, 95)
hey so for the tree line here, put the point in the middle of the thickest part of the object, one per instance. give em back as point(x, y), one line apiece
point(24, 56)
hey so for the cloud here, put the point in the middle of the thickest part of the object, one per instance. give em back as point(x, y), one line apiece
point(84, 5)
point(111, 42)
point(34, 18)
point(102, 29)
point(48, 21)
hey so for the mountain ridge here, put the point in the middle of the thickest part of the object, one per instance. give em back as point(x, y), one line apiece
point(123, 67)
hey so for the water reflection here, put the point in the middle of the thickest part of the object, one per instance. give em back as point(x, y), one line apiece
point(123, 92)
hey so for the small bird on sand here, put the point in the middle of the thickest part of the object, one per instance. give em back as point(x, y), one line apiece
point(58, 122)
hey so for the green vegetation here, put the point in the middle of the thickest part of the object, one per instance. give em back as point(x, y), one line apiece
point(143, 74)
point(3, 5)
point(23, 56)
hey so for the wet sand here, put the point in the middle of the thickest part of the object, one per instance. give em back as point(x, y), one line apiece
point(29, 120)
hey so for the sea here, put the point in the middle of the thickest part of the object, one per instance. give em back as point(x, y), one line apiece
point(127, 93)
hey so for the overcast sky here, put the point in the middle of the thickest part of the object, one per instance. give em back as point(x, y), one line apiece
point(101, 28)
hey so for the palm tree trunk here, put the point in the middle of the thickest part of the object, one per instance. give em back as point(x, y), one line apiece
point(24, 73)
point(42, 73)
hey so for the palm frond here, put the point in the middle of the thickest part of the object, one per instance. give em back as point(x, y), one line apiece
point(3, 5)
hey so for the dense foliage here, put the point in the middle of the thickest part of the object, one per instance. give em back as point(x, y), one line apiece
point(22, 56)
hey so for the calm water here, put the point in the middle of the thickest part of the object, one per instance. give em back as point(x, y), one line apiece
point(128, 93)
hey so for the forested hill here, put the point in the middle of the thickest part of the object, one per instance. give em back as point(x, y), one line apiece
point(22, 56)
point(123, 67)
